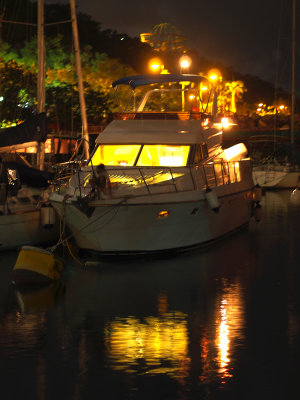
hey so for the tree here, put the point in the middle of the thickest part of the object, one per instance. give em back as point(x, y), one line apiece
point(17, 98)
point(233, 91)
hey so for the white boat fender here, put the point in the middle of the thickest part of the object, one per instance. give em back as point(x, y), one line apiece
point(257, 212)
point(48, 216)
point(212, 199)
point(257, 194)
point(295, 197)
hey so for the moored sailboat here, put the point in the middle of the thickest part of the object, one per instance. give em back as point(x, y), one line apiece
point(283, 174)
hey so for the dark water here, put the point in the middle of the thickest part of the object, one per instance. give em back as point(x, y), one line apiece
point(217, 324)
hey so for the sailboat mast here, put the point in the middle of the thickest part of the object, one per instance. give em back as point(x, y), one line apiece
point(41, 76)
point(85, 134)
point(293, 71)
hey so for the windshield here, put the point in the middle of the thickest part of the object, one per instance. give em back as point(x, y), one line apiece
point(141, 155)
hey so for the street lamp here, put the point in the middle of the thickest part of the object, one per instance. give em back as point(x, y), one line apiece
point(214, 75)
point(185, 62)
point(156, 65)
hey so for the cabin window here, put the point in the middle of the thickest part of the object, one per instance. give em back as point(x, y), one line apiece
point(201, 152)
point(123, 155)
point(158, 155)
point(163, 156)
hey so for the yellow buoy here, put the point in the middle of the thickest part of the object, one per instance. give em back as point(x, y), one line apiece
point(36, 266)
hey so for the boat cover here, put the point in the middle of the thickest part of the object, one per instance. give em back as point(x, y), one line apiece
point(30, 176)
point(32, 130)
point(141, 80)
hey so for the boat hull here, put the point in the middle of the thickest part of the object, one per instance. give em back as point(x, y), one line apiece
point(157, 224)
point(25, 228)
point(276, 179)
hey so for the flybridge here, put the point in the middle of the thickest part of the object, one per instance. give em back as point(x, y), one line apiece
point(166, 93)
point(143, 80)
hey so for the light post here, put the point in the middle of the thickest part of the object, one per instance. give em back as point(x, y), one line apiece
point(215, 77)
point(184, 62)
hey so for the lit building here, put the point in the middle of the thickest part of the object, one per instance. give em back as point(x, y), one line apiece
point(164, 37)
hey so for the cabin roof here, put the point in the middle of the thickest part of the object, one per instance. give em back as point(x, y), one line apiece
point(148, 79)
point(154, 132)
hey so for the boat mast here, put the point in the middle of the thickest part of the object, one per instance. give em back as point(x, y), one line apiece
point(41, 77)
point(293, 71)
point(85, 134)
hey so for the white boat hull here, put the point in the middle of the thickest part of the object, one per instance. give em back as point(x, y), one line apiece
point(25, 228)
point(134, 226)
point(277, 179)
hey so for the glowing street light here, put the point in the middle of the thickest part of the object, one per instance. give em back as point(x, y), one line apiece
point(214, 75)
point(156, 65)
point(185, 62)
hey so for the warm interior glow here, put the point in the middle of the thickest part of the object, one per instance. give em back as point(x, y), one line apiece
point(163, 155)
point(124, 155)
point(151, 155)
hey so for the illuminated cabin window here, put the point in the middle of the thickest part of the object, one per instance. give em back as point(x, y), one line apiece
point(201, 152)
point(151, 155)
point(163, 156)
point(116, 155)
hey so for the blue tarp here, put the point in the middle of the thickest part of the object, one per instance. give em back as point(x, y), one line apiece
point(141, 80)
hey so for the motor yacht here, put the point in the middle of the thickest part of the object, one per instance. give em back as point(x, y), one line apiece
point(170, 184)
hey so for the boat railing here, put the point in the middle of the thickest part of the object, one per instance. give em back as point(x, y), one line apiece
point(166, 115)
point(141, 181)
point(63, 172)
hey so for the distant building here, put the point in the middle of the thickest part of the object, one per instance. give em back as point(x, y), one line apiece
point(164, 37)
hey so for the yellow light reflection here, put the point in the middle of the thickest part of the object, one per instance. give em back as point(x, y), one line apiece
point(161, 342)
point(230, 324)
point(223, 341)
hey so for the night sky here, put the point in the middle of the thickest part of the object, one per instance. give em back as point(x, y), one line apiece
point(253, 37)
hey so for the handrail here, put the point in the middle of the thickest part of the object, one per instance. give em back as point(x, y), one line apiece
point(134, 180)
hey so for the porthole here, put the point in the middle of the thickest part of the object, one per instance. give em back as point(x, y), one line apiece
point(163, 214)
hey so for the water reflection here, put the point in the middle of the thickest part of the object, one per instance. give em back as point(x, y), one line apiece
point(230, 324)
point(222, 323)
point(161, 344)
point(157, 344)
point(37, 299)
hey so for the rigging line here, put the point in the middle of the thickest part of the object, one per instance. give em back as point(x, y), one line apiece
point(276, 83)
point(17, 22)
point(31, 23)
point(84, 227)
point(107, 222)
point(284, 22)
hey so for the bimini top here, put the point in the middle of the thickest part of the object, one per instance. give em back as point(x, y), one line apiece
point(141, 80)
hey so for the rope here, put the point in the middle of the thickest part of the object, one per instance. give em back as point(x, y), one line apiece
point(62, 240)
